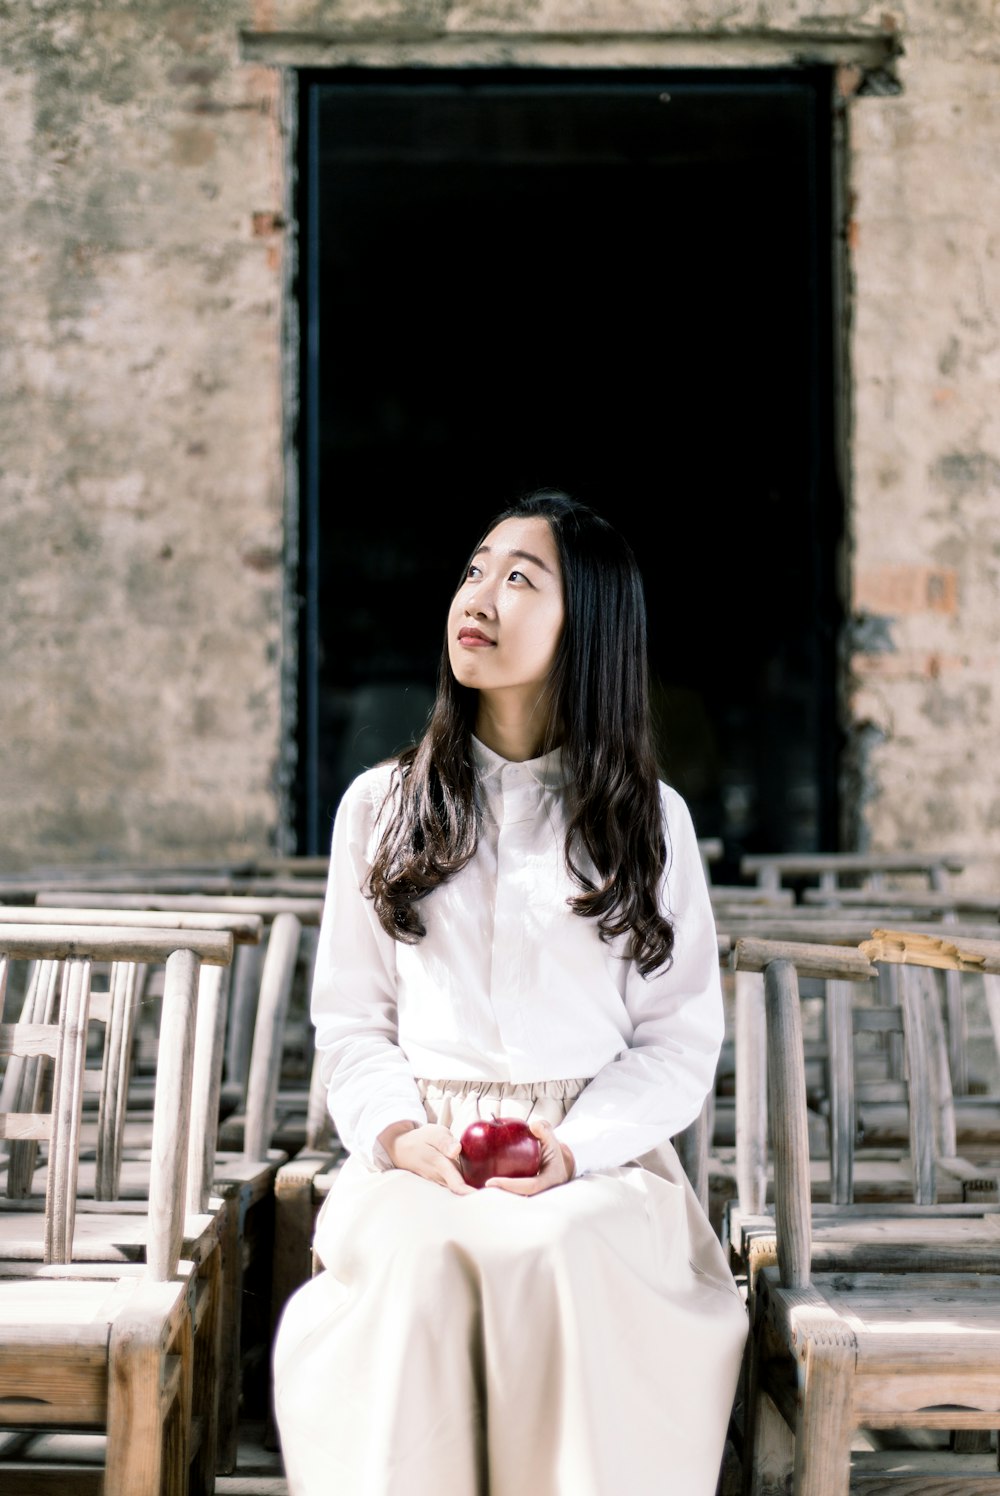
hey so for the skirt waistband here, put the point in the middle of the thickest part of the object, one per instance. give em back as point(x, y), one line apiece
point(533, 1090)
point(456, 1103)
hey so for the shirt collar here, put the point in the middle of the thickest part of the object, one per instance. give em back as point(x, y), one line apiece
point(547, 770)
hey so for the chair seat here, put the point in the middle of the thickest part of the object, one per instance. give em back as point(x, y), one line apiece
point(962, 1238)
point(100, 1235)
point(924, 1347)
point(68, 1385)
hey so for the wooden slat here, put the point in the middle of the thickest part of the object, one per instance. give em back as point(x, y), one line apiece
point(25, 1126)
point(272, 1007)
point(247, 929)
point(40, 1478)
point(824, 961)
point(29, 1039)
point(309, 910)
point(856, 863)
point(950, 951)
point(172, 1116)
point(67, 1112)
point(787, 1120)
point(925, 899)
point(812, 925)
point(112, 942)
point(751, 1091)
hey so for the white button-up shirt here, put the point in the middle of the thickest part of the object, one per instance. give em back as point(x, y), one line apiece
point(508, 984)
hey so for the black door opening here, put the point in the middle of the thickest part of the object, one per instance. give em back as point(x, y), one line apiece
point(619, 283)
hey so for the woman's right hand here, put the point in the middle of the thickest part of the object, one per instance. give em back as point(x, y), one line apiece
point(429, 1150)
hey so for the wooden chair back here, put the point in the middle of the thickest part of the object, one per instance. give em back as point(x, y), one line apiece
point(47, 1110)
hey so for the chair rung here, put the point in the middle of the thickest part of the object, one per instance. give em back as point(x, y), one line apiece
point(42, 1479)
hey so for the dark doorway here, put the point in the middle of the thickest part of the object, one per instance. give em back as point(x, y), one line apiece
point(619, 283)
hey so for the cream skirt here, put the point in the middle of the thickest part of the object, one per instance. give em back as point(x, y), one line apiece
point(585, 1341)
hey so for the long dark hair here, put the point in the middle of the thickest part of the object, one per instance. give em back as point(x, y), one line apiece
point(600, 718)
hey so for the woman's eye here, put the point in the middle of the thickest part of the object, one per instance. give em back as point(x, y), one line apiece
point(472, 572)
point(518, 574)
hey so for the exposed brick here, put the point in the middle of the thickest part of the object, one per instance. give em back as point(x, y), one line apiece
point(906, 589)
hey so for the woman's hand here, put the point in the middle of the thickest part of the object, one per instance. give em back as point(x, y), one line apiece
point(429, 1150)
point(557, 1166)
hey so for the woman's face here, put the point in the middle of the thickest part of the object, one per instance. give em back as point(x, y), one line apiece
point(506, 618)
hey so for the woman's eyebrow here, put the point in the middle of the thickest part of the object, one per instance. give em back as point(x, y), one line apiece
point(520, 556)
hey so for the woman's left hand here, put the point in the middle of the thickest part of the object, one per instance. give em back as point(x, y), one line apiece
point(557, 1166)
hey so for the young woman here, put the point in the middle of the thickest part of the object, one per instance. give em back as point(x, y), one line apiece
point(517, 924)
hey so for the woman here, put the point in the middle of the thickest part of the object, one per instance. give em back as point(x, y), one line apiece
point(517, 923)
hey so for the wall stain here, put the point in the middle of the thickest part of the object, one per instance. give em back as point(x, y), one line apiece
point(963, 473)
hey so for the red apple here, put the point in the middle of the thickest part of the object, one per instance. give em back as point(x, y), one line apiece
point(498, 1145)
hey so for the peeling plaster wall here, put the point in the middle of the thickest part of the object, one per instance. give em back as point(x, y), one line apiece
point(142, 537)
point(925, 571)
point(141, 500)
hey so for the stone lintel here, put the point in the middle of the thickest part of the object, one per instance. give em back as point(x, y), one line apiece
point(868, 53)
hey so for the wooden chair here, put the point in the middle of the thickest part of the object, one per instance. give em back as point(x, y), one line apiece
point(113, 1178)
point(102, 1320)
point(927, 1173)
point(869, 1196)
point(247, 968)
point(849, 926)
point(871, 1327)
point(745, 1175)
point(229, 1195)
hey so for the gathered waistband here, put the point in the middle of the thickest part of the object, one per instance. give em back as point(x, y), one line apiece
point(456, 1103)
point(531, 1090)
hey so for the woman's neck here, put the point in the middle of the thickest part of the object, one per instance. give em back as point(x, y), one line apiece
point(516, 735)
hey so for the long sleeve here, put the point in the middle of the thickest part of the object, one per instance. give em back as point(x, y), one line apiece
point(353, 1001)
point(658, 1085)
point(509, 985)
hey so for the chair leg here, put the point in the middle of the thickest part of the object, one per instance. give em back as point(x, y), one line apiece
point(825, 1421)
point(206, 1372)
point(230, 1305)
point(149, 1394)
point(768, 1447)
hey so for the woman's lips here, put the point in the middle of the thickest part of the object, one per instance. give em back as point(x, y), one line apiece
point(474, 638)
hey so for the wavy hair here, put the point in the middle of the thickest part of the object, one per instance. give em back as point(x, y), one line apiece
point(600, 717)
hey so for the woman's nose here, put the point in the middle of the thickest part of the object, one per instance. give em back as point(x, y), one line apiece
point(482, 603)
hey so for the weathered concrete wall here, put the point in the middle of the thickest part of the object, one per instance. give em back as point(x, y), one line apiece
point(142, 502)
point(926, 366)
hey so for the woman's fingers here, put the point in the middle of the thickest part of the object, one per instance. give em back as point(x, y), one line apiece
point(432, 1152)
point(555, 1168)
